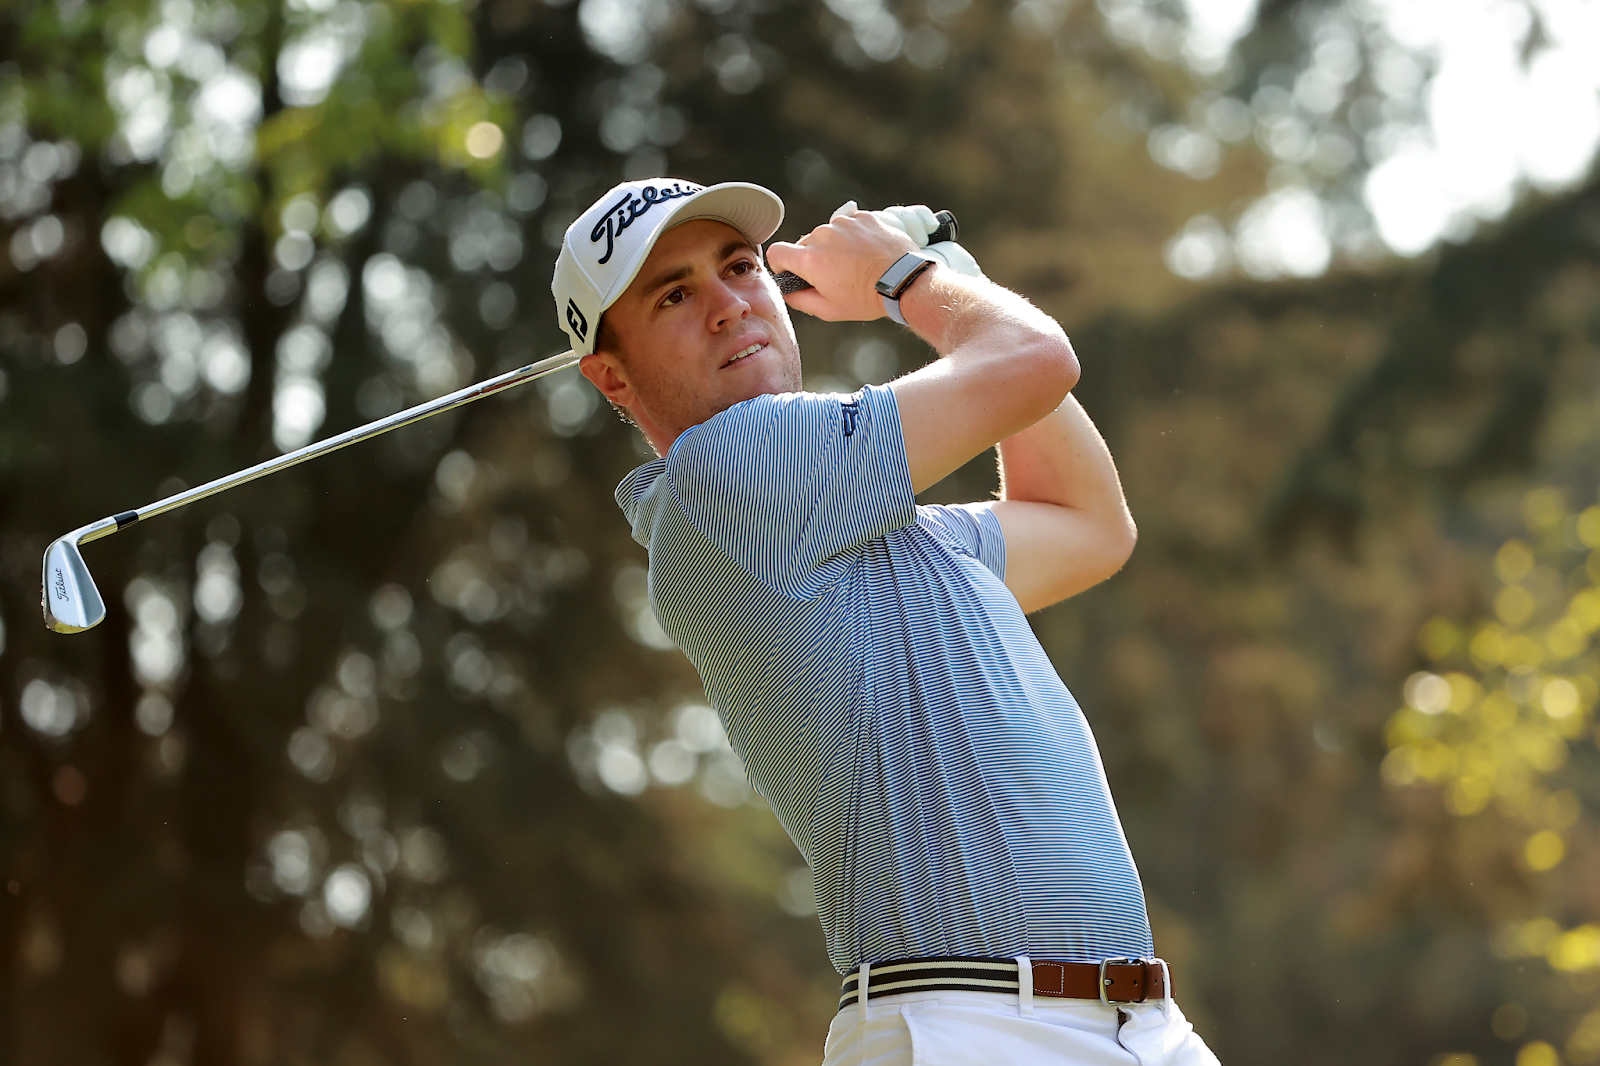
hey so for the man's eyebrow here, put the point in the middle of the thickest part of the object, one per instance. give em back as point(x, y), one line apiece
point(667, 277)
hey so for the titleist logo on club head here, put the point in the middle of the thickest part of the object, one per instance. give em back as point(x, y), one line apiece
point(620, 215)
point(61, 585)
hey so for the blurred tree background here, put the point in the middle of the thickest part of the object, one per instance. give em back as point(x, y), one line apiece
point(384, 759)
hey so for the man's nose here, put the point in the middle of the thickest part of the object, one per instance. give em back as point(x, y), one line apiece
point(727, 305)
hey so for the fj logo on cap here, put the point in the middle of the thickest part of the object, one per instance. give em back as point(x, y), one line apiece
point(575, 319)
point(620, 215)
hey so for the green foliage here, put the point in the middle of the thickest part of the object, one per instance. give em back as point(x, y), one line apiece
point(426, 666)
point(1492, 734)
point(1494, 737)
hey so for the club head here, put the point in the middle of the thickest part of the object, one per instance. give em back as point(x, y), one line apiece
point(71, 602)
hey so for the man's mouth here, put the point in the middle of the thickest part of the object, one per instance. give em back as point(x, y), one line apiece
point(752, 350)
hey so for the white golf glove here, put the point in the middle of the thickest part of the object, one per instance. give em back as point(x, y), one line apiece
point(918, 223)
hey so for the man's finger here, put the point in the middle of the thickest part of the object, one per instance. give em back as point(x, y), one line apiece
point(809, 301)
point(813, 303)
point(781, 255)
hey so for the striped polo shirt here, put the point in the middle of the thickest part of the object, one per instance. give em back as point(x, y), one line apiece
point(884, 689)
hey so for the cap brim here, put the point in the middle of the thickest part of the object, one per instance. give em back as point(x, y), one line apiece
point(752, 210)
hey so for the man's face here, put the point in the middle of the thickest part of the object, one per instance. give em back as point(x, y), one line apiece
point(701, 328)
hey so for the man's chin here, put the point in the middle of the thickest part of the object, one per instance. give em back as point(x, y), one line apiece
point(772, 386)
point(765, 385)
point(733, 399)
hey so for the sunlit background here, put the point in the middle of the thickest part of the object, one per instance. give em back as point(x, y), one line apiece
point(387, 760)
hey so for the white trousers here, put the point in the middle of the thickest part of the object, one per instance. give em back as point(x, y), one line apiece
point(999, 1029)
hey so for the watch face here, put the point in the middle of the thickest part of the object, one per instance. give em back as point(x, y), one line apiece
point(901, 274)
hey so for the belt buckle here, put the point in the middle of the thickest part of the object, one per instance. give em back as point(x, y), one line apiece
point(1105, 981)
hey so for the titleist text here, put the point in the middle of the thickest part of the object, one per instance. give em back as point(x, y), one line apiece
point(620, 215)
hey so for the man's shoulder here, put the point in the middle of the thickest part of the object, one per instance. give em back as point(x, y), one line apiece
point(633, 492)
point(766, 412)
point(776, 419)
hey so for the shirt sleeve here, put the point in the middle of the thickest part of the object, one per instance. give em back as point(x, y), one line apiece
point(791, 486)
point(971, 528)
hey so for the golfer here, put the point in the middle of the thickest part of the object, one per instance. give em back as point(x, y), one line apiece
point(869, 657)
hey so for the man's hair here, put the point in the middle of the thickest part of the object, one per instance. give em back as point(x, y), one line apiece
point(606, 340)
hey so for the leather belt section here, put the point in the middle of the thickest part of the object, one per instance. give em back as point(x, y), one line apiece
point(1114, 981)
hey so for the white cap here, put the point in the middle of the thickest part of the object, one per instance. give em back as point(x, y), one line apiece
point(604, 249)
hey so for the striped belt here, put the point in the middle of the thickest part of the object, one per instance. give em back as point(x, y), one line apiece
point(1111, 981)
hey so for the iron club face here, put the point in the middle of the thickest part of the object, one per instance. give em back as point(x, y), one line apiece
point(71, 601)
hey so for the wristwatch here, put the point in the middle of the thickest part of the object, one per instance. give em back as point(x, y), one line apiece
point(898, 278)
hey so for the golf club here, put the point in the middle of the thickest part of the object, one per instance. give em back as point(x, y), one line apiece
point(68, 596)
point(70, 600)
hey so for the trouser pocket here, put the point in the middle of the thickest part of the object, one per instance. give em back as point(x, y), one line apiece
point(883, 1041)
point(1157, 1034)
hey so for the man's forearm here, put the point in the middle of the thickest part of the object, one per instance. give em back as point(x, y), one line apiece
point(1004, 366)
point(1066, 524)
point(1062, 460)
point(973, 318)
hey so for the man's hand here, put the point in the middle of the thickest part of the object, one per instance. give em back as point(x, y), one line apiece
point(842, 260)
point(919, 222)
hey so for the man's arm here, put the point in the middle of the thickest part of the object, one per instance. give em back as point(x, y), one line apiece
point(1003, 378)
point(1065, 520)
point(1061, 508)
point(1005, 364)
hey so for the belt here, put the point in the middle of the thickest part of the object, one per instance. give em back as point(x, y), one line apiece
point(1111, 981)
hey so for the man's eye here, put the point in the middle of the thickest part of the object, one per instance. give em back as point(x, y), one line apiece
point(743, 266)
point(673, 297)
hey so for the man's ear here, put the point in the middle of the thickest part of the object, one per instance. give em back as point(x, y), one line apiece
point(607, 375)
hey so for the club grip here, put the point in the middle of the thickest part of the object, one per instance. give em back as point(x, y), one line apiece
point(788, 281)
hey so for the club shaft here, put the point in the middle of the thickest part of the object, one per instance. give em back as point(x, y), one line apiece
point(108, 526)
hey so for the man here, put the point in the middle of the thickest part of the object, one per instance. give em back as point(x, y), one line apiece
point(870, 658)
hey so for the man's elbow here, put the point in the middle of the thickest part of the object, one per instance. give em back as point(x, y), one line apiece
point(1051, 369)
point(1123, 540)
point(1116, 541)
point(1058, 364)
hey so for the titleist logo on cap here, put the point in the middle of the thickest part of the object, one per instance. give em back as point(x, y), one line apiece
point(620, 215)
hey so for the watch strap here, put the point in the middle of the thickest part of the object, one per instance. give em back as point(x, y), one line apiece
point(898, 278)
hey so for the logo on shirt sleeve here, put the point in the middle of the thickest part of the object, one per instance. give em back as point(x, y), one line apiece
point(851, 411)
